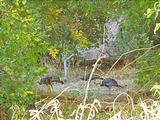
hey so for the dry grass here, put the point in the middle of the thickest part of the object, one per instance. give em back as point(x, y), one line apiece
point(147, 109)
point(51, 109)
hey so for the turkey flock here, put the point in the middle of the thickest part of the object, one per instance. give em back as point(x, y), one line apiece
point(107, 82)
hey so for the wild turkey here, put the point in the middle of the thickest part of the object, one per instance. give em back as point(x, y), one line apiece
point(94, 76)
point(109, 82)
point(47, 80)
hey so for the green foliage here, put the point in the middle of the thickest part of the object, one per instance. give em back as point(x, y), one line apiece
point(75, 24)
point(21, 43)
point(16, 93)
point(135, 28)
point(18, 112)
point(149, 69)
point(17, 97)
point(150, 13)
point(149, 65)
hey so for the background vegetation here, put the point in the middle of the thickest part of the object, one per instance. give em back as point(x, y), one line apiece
point(30, 29)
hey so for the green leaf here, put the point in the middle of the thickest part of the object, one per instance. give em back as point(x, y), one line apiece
point(24, 2)
point(149, 12)
point(157, 13)
point(155, 4)
point(17, 2)
point(156, 28)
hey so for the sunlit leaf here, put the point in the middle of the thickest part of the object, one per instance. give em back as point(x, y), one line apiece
point(156, 28)
point(24, 2)
point(149, 12)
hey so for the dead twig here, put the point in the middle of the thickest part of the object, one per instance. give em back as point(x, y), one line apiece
point(88, 83)
point(132, 52)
